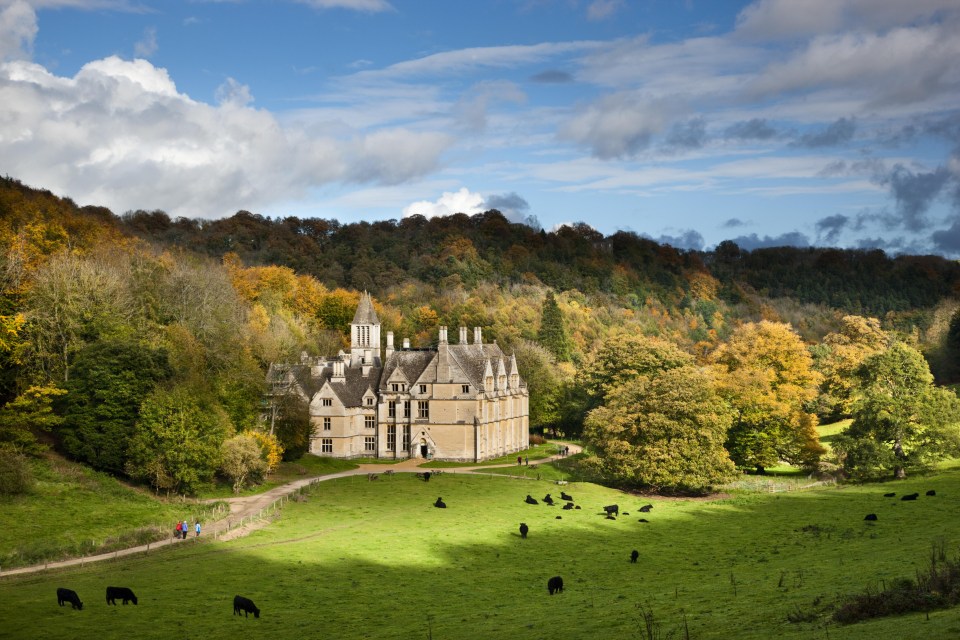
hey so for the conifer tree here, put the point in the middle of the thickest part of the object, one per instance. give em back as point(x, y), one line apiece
point(553, 335)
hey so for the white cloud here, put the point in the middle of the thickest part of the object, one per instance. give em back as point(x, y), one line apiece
point(603, 9)
point(147, 45)
point(618, 125)
point(367, 6)
point(462, 201)
point(120, 134)
point(18, 28)
point(233, 93)
point(775, 19)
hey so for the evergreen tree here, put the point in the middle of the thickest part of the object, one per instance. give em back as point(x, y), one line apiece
point(553, 335)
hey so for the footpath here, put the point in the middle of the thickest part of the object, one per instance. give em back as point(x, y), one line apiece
point(247, 513)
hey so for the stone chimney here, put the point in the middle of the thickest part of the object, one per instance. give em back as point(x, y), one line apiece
point(337, 371)
point(406, 343)
point(389, 351)
point(463, 335)
point(443, 357)
point(477, 336)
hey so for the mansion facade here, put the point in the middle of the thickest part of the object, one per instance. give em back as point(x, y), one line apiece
point(463, 401)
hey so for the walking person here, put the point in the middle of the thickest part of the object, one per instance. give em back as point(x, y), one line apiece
point(178, 530)
point(198, 528)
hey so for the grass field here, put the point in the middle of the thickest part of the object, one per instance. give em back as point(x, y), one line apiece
point(376, 560)
point(74, 511)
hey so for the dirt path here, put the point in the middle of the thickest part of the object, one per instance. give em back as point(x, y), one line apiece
point(246, 512)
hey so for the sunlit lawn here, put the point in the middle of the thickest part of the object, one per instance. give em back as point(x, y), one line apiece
point(377, 560)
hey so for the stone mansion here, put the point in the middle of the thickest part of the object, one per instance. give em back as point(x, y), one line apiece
point(463, 401)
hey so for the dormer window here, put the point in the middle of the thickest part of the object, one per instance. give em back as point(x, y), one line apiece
point(396, 386)
point(465, 388)
point(369, 400)
point(423, 388)
point(328, 402)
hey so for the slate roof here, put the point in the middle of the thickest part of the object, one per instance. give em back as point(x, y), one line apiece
point(411, 363)
point(365, 313)
point(350, 391)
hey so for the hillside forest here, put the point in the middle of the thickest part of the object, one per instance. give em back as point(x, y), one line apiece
point(138, 344)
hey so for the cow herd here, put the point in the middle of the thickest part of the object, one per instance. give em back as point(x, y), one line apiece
point(909, 497)
point(555, 584)
point(125, 594)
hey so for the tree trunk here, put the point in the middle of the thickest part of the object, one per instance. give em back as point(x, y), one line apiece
point(899, 472)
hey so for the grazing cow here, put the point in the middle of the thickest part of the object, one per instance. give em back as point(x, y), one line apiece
point(555, 585)
point(372, 476)
point(577, 507)
point(889, 495)
point(524, 529)
point(646, 508)
point(643, 520)
point(123, 593)
point(69, 595)
point(531, 500)
point(871, 516)
point(634, 555)
point(931, 492)
point(910, 496)
point(559, 517)
point(548, 500)
point(612, 510)
point(568, 506)
point(440, 504)
point(564, 496)
point(625, 513)
point(246, 605)
point(388, 472)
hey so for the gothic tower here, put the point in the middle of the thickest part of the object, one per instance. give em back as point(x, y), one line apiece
point(365, 334)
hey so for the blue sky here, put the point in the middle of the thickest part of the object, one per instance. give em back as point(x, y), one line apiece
point(813, 122)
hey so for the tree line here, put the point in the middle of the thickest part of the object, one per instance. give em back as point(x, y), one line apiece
point(139, 344)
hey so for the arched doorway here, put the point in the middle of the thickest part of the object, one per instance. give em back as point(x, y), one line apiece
point(424, 450)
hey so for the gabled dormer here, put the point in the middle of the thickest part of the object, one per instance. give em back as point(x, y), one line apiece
point(488, 377)
point(513, 373)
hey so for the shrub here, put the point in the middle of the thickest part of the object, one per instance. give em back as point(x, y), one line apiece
point(536, 438)
point(15, 475)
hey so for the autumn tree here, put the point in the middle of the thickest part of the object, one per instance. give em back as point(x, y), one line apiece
point(625, 356)
point(839, 356)
point(27, 416)
point(766, 374)
point(241, 461)
point(664, 431)
point(552, 333)
point(900, 420)
point(544, 382)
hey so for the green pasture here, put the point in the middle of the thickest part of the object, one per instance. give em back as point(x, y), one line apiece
point(535, 453)
point(307, 466)
point(357, 559)
point(73, 511)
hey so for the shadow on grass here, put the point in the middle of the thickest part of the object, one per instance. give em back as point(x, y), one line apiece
point(376, 560)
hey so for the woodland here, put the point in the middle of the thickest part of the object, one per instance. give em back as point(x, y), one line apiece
point(138, 343)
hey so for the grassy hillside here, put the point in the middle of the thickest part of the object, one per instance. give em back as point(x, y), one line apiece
point(75, 511)
point(376, 560)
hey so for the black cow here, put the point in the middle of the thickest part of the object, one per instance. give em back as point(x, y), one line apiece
point(889, 495)
point(646, 508)
point(634, 555)
point(568, 506)
point(246, 606)
point(871, 516)
point(531, 500)
point(440, 504)
point(612, 510)
point(564, 496)
point(69, 595)
point(555, 585)
point(910, 496)
point(577, 507)
point(123, 593)
point(548, 500)
point(524, 529)
point(931, 492)
point(559, 518)
point(643, 520)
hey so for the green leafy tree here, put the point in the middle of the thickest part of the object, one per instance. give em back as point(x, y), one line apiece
point(241, 461)
point(176, 444)
point(28, 415)
point(664, 431)
point(110, 380)
point(766, 374)
point(544, 380)
point(624, 357)
point(291, 424)
point(840, 355)
point(899, 408)
point(553, 334)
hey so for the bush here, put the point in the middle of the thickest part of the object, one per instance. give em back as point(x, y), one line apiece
point(536, 438)
point(15, 475)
